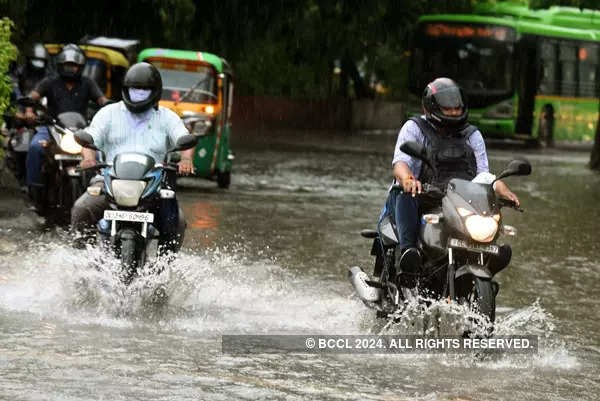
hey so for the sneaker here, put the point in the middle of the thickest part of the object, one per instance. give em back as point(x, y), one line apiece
point(409, 261)
point(408, 265)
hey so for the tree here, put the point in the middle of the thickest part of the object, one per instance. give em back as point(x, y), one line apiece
point(8, 53)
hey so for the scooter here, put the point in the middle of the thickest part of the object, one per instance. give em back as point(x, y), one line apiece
point(458, 241)
point(133, 184)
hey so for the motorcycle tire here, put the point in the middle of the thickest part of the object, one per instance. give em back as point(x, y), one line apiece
point(224, 179)
point(483, 298)
point(129, 260)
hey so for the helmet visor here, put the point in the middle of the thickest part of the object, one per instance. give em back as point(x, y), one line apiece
point(71, 56)
point(449, 98)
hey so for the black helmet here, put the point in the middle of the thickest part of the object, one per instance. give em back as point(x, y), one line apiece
point(37, 58)
point(444, 93)
point(71, 53)
point(142, 76)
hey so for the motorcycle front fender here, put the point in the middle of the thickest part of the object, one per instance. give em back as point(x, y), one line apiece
point(475, 270)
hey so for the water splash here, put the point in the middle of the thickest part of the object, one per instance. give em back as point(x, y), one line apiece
point(437, 318)
point(218, 290)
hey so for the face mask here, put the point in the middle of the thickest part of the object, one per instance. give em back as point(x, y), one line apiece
point(139, 95)
point(38, 63)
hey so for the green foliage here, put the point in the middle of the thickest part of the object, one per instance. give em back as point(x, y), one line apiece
point(8, 53)
point(298, 48)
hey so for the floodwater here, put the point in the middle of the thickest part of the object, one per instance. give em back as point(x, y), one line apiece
point(270, 256)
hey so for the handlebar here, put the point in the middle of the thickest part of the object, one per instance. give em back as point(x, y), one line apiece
point(426, 190)
point(171, 166)
point(509, 203)
point(435, 192)
point(98, 166)
point(91, 168)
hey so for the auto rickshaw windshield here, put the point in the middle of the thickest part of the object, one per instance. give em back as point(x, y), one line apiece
point(96, 70)
point(197, 86)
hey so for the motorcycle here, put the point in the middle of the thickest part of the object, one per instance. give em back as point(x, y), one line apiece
point(133, 184)
point(18, 137)
point(458, 240)
point(63, 183)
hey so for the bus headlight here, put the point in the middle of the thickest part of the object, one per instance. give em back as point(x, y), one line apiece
point(503, 109)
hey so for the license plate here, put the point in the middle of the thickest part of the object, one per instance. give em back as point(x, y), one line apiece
point(473, 246)
point(122, 215)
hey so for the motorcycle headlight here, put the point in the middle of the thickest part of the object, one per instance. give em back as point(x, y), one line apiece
point(68, 144)
point(480, 228)
point(127, 192)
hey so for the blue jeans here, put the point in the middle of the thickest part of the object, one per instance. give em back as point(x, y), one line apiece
point(35, 157)
point(403, 209)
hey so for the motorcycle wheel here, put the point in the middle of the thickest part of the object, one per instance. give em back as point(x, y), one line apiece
point(128, 260)
point(224, 179)
point(482, 298)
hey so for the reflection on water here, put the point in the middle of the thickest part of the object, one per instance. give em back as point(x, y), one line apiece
point(269, 256)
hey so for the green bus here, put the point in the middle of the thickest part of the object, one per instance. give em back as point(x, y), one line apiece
point(528, 74)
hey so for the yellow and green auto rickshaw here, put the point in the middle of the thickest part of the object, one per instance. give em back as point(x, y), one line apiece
point(105, 66)
point(198, 86)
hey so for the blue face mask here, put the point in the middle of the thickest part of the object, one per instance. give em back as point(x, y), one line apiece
point(139, 95)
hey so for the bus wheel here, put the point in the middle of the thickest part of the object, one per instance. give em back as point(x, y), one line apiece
point(546, 132)
point(224, 179)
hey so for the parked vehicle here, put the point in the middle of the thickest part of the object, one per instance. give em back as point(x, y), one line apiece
point(458, 241)
point(198, 86)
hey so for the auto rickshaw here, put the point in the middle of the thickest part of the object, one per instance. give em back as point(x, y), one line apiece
point(198, 86)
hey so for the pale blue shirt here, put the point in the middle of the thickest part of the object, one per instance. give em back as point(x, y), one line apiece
point(410, 131)
point(116, 130)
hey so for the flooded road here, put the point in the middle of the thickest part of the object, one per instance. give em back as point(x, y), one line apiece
point(269, 256)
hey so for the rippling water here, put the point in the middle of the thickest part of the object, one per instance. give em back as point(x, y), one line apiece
point(270, 256)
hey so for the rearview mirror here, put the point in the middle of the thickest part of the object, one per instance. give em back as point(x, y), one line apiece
point(416, 150)
point(516, 167)
point(185, 142)
point(413, 149)
point(85, 140)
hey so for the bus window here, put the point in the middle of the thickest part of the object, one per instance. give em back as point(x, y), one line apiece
point(588, 65)
point(567, 59)
point(548, 62)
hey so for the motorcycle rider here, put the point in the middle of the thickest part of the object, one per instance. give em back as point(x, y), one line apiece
point(69, 91)
point(139, 124)
point(36, 68)
point(22, 80)
point(457, 150)
point(13, 124)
